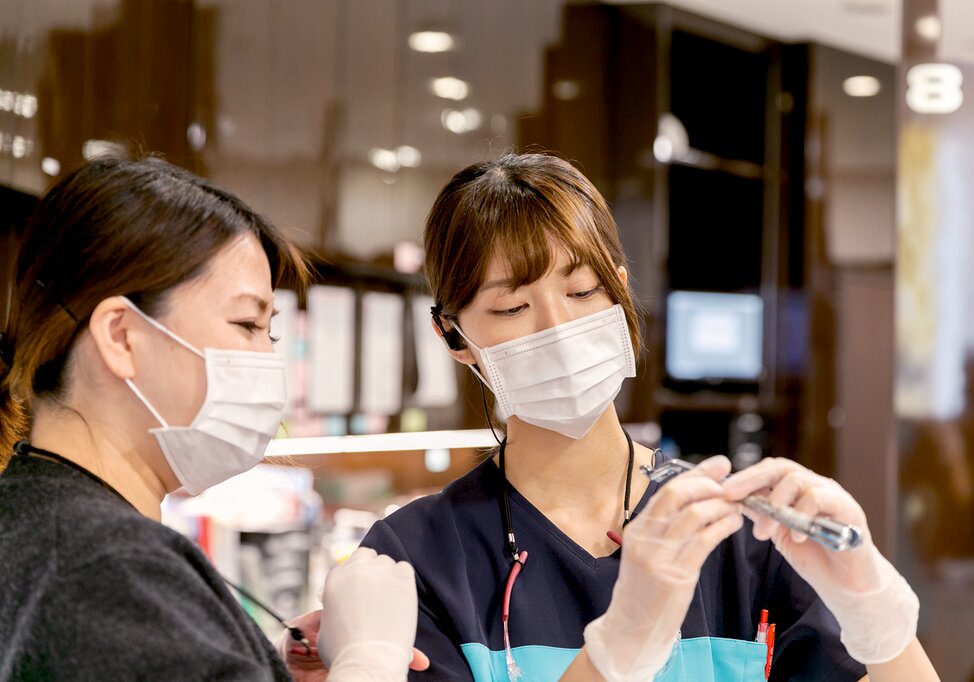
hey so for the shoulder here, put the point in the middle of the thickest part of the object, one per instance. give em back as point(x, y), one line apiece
point(91, 573)
point(68, 519)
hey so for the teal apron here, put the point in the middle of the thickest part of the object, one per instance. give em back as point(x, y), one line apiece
point(699, 659)
point(714, 659)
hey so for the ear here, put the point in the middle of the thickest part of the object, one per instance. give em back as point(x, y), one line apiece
point(464, 355)
point(623, 275)
point(110, 329)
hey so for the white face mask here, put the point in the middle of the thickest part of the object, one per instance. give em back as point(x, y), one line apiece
point(245, 400)
point(564, 378)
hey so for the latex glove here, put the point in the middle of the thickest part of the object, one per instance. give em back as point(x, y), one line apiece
point(369, 622)
point(875, 607)
point(665, 546)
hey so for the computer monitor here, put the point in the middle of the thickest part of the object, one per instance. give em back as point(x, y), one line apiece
point(713, 337)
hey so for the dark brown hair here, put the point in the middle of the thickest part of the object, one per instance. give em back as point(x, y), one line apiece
point(519, 205)
point(137, 228)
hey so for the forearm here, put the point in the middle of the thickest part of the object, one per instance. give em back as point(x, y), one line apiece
point(912, 665)
point(582, 670)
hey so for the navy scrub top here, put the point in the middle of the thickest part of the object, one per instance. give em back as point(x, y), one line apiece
point(456, 542)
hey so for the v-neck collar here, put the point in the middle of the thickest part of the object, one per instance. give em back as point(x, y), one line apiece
point(552, 529)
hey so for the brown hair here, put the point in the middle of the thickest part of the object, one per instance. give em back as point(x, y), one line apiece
point(518, 205)
point(137, 228)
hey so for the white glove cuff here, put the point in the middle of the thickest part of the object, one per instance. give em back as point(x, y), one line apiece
point(638, 664)
point(877, 626)
point(370, 662)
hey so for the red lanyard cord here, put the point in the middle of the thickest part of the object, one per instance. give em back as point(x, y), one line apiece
point(519, 557)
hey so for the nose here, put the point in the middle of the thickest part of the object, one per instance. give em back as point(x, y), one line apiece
point(551, 312)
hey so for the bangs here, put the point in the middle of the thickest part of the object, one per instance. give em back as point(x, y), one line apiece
point(529, 241)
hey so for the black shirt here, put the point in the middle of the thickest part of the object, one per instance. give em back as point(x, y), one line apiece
point(94, 590)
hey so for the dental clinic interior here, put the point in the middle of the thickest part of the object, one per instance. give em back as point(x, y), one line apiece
point(791, 180)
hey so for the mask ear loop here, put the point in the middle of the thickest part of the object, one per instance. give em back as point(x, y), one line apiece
point(145, 401)
point(490, 423)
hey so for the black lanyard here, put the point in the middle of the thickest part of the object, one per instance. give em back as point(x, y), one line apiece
point(509, 525)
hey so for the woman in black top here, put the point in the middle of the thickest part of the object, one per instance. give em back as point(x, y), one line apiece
point(135, 359)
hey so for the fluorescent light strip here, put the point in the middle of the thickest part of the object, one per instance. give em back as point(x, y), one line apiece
point(381, 442)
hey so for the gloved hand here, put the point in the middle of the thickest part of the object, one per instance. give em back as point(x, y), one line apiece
point(368, 623)
point(875, 607)
point(665, 546)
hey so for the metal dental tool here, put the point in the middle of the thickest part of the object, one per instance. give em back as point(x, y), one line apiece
point(826, 532)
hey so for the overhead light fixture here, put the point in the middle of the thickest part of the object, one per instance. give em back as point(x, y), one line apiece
point(51, 166)
point(21, 146)
point(449, 87)
point(18, 103)
point(672, 141)
point(384, 159)
point(431, 41)
point(391, 160)
point(408, 156)
point(196, 136)
point(929, 27)
point(93, 149)
point(461, 121)
point(861, 86)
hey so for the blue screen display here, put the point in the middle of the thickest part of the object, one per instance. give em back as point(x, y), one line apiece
point(712, 336)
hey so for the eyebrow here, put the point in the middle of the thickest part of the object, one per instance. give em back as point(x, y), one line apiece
point(509, 283)
point(262, 303)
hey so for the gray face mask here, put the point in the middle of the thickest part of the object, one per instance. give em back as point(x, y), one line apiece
point(245, 399)
point(564, 378)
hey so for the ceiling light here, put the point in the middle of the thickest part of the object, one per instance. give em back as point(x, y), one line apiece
point(449, 87)
point(431, 41)
point(929, 27)
point(51, 166)
point(408, 156)
point(461, 121)
point(93, 149)
point(861, 86)
point(384, 159)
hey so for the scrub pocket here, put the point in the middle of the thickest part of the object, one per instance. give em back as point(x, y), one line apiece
point(714, 659)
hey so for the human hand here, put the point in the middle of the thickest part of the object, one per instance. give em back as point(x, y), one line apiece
point(369, 621)
point(665, 547)
point(876, 609)
point(303, 663)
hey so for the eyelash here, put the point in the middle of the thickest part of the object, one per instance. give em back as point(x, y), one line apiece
point(586, 294)
point(581, 295)
point(253, 328)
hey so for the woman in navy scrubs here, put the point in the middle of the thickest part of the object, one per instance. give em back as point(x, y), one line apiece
point(519, 568)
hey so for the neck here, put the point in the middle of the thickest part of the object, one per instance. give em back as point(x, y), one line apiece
point(103, 450)
point(555, 471)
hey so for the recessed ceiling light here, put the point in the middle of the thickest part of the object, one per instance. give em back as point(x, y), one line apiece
point(461, 121)
point(929, 27)
point(861, 86)
point(449, 87)
point(431, 41)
